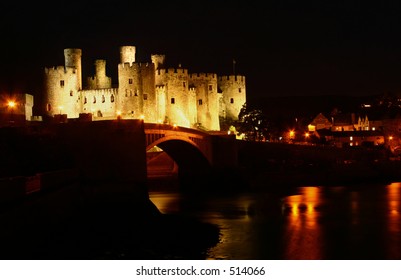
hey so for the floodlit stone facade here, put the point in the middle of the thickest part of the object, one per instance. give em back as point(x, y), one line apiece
point(146, 91)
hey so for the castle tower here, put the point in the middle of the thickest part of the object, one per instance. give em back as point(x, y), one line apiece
point(207, 100)
point(158, 60)
point(72, 59)
point(100, 80)
point(233, 95)
point(127, 54)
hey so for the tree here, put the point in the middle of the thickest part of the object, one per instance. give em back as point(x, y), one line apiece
point(253, 124)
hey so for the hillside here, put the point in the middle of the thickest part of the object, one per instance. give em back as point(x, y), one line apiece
point(307, 106)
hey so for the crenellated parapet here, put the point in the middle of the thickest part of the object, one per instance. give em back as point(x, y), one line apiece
point(60, 70)
point(172, 71)
point(205, 76)
point(232, 79)
point(146, 90)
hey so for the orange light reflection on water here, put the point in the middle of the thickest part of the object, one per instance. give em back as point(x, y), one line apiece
point(303, 230)
point(393, 220)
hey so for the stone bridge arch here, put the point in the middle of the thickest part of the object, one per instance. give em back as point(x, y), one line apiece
point(189, 151)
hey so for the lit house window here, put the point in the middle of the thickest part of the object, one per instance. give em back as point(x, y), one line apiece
point(62, 83)
point(130, 81)
point(231, 100)
point(172, 100)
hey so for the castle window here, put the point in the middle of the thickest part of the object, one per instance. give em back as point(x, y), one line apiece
point(200, 102)
point(183, 84)
point(231, 100)
point(145, 96)
point(210, 87)
point(172, 100)
point(130, 81)
point(49, 107)
point(71, 93)
point(239, 89)
point(112, 98)
point(103, 99)
point(85, 100)
point(61, 83)
point(130, 93)
point(136, 93)
point(94, 99)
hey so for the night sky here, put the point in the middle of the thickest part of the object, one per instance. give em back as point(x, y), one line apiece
point(283, 47)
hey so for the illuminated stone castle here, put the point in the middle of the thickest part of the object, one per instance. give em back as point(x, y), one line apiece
point(145, 90)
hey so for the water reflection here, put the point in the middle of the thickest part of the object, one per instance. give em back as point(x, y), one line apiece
point(393, 220)
point(303, 233)
point(311, 222)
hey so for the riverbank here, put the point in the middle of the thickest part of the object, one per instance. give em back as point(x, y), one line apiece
point(104, 230)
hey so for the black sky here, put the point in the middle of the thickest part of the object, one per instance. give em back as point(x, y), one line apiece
point(283, 47)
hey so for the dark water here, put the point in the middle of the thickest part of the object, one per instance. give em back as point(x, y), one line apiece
point(311, 222)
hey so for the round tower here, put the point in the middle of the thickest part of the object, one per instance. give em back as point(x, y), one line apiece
point(72, 59)
point(158, 60)
point(233, 93)
point(127, 54)
point(100, 66)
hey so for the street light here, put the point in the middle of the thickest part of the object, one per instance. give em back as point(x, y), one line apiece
point(11, 104)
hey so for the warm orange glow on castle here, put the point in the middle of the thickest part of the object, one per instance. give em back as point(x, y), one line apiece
point(145, 91)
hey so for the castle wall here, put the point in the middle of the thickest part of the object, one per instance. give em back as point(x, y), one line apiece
point(206, 100)
point(177, 108)
point(158, 60)
point(100, 80)
point(72, 58)
point(61, 84)
point(161, 101)
point(130, 93)
point(145, 90)
point(192, 108)
point(100, 102)
point(127, 54)
point(150, 108)
point(233, 93)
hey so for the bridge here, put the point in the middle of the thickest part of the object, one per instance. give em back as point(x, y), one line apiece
point(196, 152)
point(110, 155)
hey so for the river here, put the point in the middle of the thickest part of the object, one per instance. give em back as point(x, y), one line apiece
point(309, 222)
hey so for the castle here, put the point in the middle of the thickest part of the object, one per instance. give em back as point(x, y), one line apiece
point(145, 90)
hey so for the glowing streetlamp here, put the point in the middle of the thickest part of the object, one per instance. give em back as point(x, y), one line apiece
point(11, 105)
point(292, 134)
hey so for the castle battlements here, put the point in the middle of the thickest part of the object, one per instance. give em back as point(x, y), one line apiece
point(172, 71)
point(143, 89)
point(97, 92)
point(232, 78)
point(203, 76)
point(60, 70)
